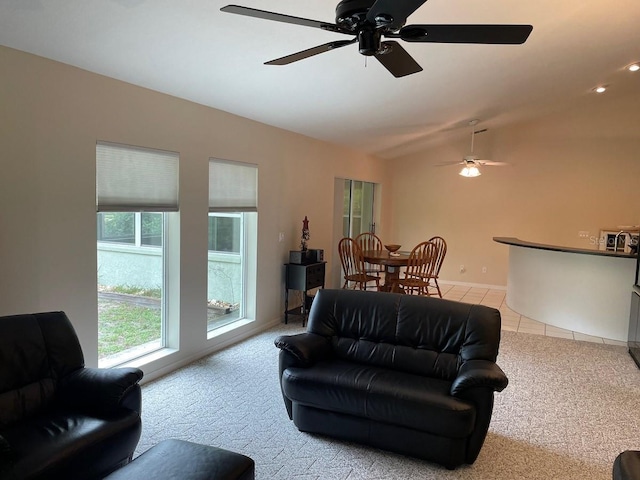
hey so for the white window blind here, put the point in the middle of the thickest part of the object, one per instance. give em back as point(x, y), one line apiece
point(233, 186)
point(135, 179)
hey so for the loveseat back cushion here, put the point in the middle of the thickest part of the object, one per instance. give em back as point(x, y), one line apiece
point(421, 335)
point(36, 350)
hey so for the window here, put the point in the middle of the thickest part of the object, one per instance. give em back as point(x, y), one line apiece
point(232, 242)
point(137, 195)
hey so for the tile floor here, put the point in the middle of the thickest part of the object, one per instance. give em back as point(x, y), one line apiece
point(511, 320)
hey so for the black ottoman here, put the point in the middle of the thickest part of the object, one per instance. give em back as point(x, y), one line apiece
point(177, 459)
point(627, 466)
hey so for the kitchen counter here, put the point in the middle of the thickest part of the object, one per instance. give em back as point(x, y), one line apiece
point(555, 248)
point(583, 290)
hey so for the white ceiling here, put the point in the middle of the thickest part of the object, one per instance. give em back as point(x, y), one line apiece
point(189, 49)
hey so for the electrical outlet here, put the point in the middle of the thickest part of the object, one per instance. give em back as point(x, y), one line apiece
point(462, 268)
point(281, 237)
point(484, 269)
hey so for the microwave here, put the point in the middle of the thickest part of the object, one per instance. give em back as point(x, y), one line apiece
point(626, 240)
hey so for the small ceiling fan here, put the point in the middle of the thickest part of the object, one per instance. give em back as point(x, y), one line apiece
point(371, 20)
point(471, 163)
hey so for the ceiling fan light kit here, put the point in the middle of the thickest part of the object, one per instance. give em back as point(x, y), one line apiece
point(471, 171)
point(369, 21)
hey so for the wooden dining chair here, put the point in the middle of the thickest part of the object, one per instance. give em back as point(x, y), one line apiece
point(353, 265)
point(419, 270)
point(442, 251)
point(370, 241)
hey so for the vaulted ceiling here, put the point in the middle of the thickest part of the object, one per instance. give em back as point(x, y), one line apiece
point(192, 50)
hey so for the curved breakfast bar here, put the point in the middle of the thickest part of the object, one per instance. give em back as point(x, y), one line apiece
point(577, 289)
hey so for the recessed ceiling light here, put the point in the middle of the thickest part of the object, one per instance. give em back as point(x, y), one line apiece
point(600, 89)
point(634, 67)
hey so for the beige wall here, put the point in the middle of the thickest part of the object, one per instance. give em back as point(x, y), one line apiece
point(575, 170)
point(50, 118)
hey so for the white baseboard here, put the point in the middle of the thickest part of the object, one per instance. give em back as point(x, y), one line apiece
point(473, 285)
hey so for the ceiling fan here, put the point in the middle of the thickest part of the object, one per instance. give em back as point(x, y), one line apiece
point(371, 20)
point(471, 163)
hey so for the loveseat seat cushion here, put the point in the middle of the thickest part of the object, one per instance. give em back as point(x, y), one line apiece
point(380, 394)
point(60, 443)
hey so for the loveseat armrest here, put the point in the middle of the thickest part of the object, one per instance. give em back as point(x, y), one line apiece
point(305, 348)
point(479, 373)
point(101, 390)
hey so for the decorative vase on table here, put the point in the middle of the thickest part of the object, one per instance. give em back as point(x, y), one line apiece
point(305, 234)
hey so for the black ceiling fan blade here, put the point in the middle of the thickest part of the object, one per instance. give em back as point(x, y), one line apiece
point(489, 34)
point(294, 57)
point(397, 60)
point(279, 17)
point(394, 11)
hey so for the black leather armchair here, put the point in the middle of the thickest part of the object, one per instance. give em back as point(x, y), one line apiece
point(410, 374)
point(59, 419)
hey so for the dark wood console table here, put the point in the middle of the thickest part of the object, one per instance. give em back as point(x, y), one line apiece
point(302, 278)
point(633, 341)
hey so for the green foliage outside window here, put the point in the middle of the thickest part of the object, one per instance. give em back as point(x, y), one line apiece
point(224, 233)
point(118, 227)
point(151, 228)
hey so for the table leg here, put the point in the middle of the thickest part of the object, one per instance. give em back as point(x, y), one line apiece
point(286, 306)
point(392, 274)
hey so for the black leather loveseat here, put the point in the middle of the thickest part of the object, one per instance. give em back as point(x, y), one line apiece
point(59, 420)
point(414, 375)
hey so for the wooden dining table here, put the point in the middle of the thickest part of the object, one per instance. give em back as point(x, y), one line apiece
point(391, 263)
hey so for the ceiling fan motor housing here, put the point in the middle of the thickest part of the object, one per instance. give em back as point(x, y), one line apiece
point(369, 41)
point(352, 15)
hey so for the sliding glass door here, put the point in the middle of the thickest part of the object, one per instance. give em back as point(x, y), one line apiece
point(358, 208)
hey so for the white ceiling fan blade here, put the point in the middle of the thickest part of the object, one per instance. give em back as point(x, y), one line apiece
point(448, 164)
point(492, 164)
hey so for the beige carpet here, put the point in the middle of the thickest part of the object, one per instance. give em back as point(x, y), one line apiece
point(569, 409)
